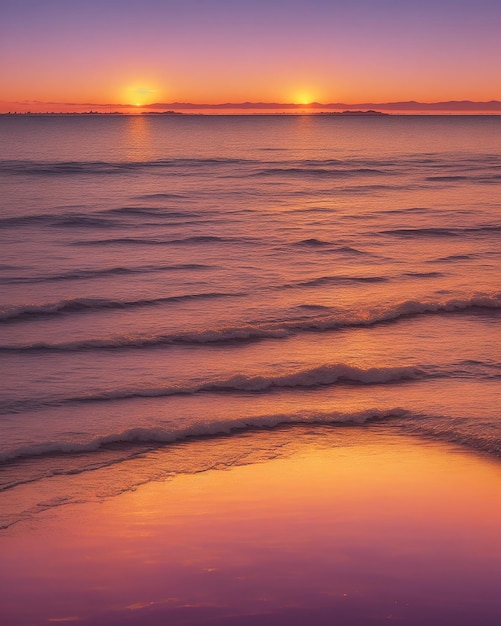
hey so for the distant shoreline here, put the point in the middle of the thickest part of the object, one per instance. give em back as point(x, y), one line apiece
point(337, 114)
point(407, 107)
point(176, 113)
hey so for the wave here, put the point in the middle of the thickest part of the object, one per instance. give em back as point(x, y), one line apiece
point(335, 280)
point(454, 257)
point(424, 274)
point(156, 241)
point(100, 273)
point(314, 243)
point(447, 178)
point(275, 330)
point(204, 430)
point(441, 232)
point(405, 211)
point(229, 442)
point(318, 171)
point(159, 196)
point(97, 219)
point(151, 212)
point(329, 246)
point(64, 219)
point(490, 178)
point(137, 440)
point(24, 220)
point(257, 167)
point(64, 168)
point(82, 305)
point(313, 377)
point(9, 266)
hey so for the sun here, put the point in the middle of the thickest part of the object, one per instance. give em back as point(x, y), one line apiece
point(303, 98)
point(139, 95)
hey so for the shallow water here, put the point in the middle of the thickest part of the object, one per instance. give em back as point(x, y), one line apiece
point(169, 277)
point(318, 525)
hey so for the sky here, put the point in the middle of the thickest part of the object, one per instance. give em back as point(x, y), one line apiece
point(76, 55)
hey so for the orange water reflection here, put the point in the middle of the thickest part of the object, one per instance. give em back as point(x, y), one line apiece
point(358, 534)
point(138, 138)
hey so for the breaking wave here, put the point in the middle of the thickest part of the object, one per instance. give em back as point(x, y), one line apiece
point(312, 377)
point(271, 330)
point(164, 436)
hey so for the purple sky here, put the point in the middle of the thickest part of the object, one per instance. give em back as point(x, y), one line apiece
point(139, 52)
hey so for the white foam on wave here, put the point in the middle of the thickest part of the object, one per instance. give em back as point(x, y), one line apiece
point(309, 377)
point(315, 376)
point(144, 435)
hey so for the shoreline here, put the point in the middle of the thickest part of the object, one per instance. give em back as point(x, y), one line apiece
point(76, 471)
point(330, 524)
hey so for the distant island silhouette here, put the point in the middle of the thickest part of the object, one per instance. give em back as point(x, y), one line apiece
point(369, 112)
point(270, 108)
point(176, 113)
point(162, 113)
point(408, 105)
point(39, 113)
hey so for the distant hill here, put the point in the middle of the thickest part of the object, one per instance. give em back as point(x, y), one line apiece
point(410, 105)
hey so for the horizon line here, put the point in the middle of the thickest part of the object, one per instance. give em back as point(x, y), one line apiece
point(406, 105)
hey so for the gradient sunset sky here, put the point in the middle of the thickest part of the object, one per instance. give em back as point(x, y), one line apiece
point(56, 53)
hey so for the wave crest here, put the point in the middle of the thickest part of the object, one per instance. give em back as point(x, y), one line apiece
point(80, 305)
point(275, 330)
point(144, 435)
point(312, 377)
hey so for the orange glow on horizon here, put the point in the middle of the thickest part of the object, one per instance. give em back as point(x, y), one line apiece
point(226, 52)
point(138, 94)
point(127, 96)
point(303, 98)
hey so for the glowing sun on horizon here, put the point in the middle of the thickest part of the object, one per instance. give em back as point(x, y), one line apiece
point(303, 98)
point(139, 96)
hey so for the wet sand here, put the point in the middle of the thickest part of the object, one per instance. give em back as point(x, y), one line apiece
point(324, 526)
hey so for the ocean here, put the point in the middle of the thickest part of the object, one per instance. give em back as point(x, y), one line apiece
point(173, 278)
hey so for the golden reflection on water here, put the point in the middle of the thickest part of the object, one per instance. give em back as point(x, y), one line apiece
point(380, 521)
point(138, 140)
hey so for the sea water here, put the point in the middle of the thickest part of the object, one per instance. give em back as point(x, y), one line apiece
point(177, 276)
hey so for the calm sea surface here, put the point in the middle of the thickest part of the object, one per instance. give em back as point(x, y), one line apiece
point(177, 276)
